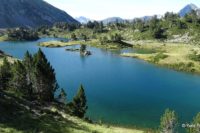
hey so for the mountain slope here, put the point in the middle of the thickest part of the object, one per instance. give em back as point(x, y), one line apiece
point(18, 115)
point(187, 9)
point(30, 13)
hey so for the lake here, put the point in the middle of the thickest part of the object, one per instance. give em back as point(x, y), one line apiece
point(120, 90)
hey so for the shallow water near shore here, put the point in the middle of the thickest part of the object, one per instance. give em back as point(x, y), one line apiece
point(120, 90)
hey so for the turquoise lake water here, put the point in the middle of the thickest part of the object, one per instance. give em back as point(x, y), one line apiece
point(120, 90)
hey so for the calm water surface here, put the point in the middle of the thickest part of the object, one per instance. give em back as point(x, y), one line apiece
point(120, 90)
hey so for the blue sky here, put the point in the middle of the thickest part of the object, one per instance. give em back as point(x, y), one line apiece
point(100, 9)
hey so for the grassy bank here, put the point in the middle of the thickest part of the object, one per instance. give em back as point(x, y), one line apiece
point(21, 116)
point(3, 38)
point(181, 57)
point(93, 42)
point(3, 55)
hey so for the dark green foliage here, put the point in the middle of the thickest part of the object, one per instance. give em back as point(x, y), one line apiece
point(194, 56)
point(90, 25)
point(98, 27)
point(45, 83)
point(101, 27)
point(117, 38)
point(66, 26)
point(79, 104)
point(83, 48)
point(22, 34)
point(139, 24)
point(43, 29)
point(33, 77)
point(187, 67)
point(5, 74)
point(153, 23)
point(168, 122)
point(159, 33)
point(73, 36)
point(19, 79)
point(192, 17)
point(113, 39)
point(170, 16)
point(29, 68)
point(159, 56)
point(84, 37)
point(181, 24)
point(103, 40)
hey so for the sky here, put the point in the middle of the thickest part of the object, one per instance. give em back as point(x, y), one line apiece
point(127, 9)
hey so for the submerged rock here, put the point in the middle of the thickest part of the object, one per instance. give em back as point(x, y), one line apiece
point(88, 53)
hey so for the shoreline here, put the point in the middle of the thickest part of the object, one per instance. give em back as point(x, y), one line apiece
point(175, 56)
point(49, 117)
point(169, 55)
point(93, 42)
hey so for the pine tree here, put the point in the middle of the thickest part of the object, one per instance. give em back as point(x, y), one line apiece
point(83, 48)
point(29, 68)
point(5, 74)
point(19, 80)
point(45, 83)
point(73, 36)
point(195, 122)
point(159, 33)
point(168, 122)
point(79, 104)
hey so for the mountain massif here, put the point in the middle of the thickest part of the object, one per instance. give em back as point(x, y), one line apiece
point(30, 13)
point(188, 8)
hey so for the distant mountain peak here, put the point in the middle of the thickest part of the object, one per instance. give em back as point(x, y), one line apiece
point(83, 20)
point(187, 9)
point(113, 20)
point(193, 6)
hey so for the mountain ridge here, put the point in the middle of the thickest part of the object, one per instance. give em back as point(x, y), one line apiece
point(187, 9)
point(41, 13)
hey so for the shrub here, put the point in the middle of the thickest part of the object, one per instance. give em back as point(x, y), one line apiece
point(159, 56)
point(168, 122)
point(22, 34)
